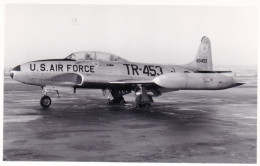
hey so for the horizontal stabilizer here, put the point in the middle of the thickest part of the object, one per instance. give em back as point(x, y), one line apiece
point(213, 71)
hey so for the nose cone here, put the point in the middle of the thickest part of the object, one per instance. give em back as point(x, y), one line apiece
point(172, 80)
point(13, 70)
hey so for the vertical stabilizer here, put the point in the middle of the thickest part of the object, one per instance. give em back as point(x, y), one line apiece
point(203, 59)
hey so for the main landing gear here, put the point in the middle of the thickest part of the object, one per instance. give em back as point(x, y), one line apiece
point(143, 99)
point(115, 96)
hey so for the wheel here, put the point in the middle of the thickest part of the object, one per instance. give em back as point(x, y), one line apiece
point(45, 101)
point(138, 99)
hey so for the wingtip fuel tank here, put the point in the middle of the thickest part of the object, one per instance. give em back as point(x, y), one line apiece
point(195, 81)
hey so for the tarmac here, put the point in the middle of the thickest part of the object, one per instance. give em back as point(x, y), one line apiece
point(180, 127)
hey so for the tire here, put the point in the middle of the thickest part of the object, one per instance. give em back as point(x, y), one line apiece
point(45, 101)
point(138, 99)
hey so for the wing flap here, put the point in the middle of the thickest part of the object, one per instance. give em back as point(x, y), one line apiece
point(213, 72)
point(131, 82)
point(52, 88)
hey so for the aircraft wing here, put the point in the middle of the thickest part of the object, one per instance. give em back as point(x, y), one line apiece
point(149, 84)
point(63, 82)
point(134, 84)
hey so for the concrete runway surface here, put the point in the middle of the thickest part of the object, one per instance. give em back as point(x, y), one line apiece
point(180, 127)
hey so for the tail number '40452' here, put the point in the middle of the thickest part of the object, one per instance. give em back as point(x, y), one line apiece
point(201, 60)
point(149, 70)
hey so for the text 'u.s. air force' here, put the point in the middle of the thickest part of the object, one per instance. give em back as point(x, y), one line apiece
point(63, 68)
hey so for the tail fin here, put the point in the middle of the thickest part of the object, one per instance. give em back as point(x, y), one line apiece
point(203, 59)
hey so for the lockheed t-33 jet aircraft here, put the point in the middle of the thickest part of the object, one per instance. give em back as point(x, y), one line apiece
point(116, 76)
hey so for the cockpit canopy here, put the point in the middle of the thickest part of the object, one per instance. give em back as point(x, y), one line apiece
point(94, 55)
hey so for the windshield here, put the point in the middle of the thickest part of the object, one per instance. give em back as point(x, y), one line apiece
point(94, 55)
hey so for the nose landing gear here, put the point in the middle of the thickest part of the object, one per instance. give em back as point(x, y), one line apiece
point(45, 101)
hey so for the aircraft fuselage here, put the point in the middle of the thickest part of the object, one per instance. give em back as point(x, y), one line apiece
point(117, 76)
point(97, 74)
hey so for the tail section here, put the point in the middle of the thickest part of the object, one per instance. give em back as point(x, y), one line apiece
point(203, 59)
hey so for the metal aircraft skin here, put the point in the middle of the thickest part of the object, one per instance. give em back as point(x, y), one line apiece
point(116, 76)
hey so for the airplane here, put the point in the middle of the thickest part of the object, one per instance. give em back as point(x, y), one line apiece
point(116, 76)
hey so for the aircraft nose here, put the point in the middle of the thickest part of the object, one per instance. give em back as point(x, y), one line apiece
point(12, 71)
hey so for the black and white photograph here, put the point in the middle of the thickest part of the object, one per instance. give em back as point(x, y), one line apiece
point(130, 83)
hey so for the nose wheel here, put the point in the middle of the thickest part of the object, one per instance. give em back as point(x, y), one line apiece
point(45, 101)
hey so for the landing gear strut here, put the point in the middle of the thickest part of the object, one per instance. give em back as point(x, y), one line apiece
point(45, 101)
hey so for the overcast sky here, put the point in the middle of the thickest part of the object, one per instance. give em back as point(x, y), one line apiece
point(152, 34)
